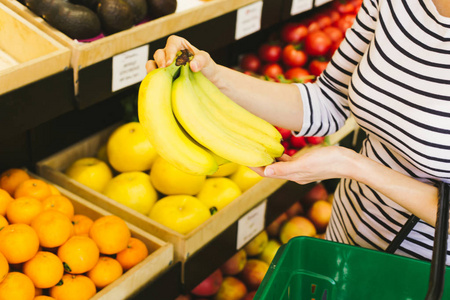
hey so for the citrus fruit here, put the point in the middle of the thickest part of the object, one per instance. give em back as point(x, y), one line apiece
point(169, 180)
point(132, 189)
point(43, 297)
point(52, 227)
point(54, 190)
point(4, 267)
point(60, 203)
point(23, 210)
point(18, 243)
point(128, 149)
point(45, 269)
point(218, 192)
point(3, 222)
point(105, 271)
point(181, 213)
point(5, 199)
point(245, 177)
point(10, 179)
point(110, 233)
point(74, 287)
point(35, 188)
point(16, 285)
point(81, 224)
point(91, 172)
point(79, 254)
point(135, 252)
point(225, 170)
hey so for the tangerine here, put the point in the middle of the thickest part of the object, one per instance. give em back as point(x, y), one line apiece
point(54, 190)
point(79, 254)
point(36, 188)
point(17, 285)
point(45, 269)
point(60, 203)
point(23, 210)
point(5, 199)
point(52, 227)
point(73, 287)
point(43, 297)
point(81, 224)
point(12, 178)
point(4, 267)
point(105, 271)
point(18, 243)
point(135, 252)
point(110, 233)
point(3, 222)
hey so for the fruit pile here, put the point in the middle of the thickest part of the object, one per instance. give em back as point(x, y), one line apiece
point(47, 249)
point(127, 169)
point(240, 276)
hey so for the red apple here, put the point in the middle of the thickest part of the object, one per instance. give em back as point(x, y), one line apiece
point(315, 140)
point(210, 285)
point(295, 209)
point(318, 192)
point(285, 133)
point(320, 213)
point(257, 244)
point(235, 264)
point(254, 272)
point(232, 288)
point(274, 228)
point(296, 226)
point(250, 295)
point(298, 141)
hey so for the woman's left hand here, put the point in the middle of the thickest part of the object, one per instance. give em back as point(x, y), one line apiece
point(314, 165)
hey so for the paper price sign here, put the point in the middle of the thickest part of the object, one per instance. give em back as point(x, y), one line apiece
point(251, 224)
point(128, 68)
point(299, 6)
point(248, 20)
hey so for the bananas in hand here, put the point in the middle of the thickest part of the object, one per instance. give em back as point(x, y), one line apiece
point(193, 125)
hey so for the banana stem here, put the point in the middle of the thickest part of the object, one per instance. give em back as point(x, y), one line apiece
point(183, 57)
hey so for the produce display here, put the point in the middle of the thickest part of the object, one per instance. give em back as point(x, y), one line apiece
point(89, 19)
point(47, 248)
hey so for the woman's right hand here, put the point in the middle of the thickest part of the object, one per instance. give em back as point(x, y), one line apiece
point(202, 61)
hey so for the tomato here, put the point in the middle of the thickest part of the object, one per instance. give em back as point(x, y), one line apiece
point(334, 16)
point(333, 49)
point(269, 52)
point(300, 75)
point(285, 135)
point(317, 43)
point(293, 33)
point(315, 140)
point(298, 141)
point(313, 26)
point(250, 62)
point(272, 70)
point(334, 33)
point(317, 65)
point(323, 21)
point(293, 56)
point(344, 7)
point(345, 22)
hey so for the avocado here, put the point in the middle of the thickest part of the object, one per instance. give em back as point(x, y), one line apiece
point(115, 15)
point(139, 8)
point(92, 4)
point(41, 7)
point(160, 8)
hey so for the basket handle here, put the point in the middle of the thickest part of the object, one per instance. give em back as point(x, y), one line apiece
point(438, 260)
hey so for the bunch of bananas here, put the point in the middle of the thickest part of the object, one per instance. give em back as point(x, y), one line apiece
point(196, 127)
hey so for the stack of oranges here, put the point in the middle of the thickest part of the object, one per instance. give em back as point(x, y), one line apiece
point(47, 251)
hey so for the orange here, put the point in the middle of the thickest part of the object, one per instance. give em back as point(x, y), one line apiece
point(36, 188)
point(45, 269)
point(60, 203)
point(23, 210)
point(3, 222)
point(10, 179)
point(54, 190)
point(74, 287)
point(110, 233)
point(135, 252)
point(79, 254)
point(5, 199)
point(81, 224)
point(52, 227)
point(4, 267)
point(17, 286)
point(105, 271)
point(18, 243)
point(43, 297)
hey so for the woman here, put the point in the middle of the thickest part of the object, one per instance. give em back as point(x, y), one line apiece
point(392, 73)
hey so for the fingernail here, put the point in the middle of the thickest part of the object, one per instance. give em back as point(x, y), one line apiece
point(269, 172)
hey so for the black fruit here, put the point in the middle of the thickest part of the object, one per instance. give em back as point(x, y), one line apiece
point(92, 4)
point(160, 8)
point(115, 15)
point(139, 8)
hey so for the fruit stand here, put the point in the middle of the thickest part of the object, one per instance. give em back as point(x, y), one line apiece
point(68, 112)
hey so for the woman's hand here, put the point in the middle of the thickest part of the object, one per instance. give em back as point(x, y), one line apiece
point(314, 165)
point(202, 61)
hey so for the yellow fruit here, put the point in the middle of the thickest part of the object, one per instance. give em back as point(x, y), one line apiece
point(90, 171)
point(245, 177)
point(225, 169)
point(132, 189)
point(218, 192)
point(181, 213)
point(169, 180)
point(128, 149)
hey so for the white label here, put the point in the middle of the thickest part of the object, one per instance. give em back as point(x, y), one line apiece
point(128, 68)
point(299, 6)
point(321, 2)
point(248, 20)
point(251, 224)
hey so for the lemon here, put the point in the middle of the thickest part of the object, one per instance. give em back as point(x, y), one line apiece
point(218, 192)
point(128, 149)
point(225, 169)
point(132, 189)
point(245, 177)
point(169, 180)
point(90, 171)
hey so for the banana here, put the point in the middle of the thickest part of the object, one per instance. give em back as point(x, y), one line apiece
point(162, 129)
point(203, 128)
point(228, 120)
point(232, 108)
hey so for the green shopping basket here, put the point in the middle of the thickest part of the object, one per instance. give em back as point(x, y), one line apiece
point(311, 268)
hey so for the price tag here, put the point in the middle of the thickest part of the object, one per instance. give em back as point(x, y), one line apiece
point(321, 2)
point(299, 6)
point(248, 20)
point(251, 224)
point(128, 68)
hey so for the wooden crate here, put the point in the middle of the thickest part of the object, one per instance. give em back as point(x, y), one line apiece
point(86, 54)
point(185, 245)
point(27, 54)
point(159, 259)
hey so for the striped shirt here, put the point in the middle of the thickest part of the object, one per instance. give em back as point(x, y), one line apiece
point(392, 73)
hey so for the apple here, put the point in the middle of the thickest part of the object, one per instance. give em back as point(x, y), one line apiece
point(295, 209)
point(234, 264)
point(218, 192)
point(318, 192)
point(232, 288)
point(269, 251)
point(210, 285)
point(254, 272)
point(285, 133)
point(298, 141)
point(257, 244)
point(274, 228)
point(90, 171)
point(250, 295)
point(297, 226)
point(320, 213)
